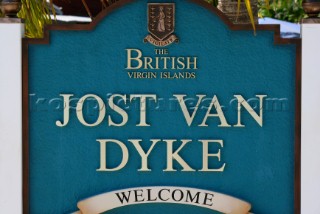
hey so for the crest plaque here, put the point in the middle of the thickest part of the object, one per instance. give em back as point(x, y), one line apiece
point(161, 24)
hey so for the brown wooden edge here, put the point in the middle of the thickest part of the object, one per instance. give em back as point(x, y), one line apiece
point(95, 22)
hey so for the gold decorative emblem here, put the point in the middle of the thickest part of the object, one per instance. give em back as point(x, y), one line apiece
point(161, 23)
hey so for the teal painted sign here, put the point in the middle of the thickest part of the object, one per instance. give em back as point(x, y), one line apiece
point(158, 107)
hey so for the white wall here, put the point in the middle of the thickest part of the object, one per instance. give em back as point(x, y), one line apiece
point(10, 118)
point(310, 119)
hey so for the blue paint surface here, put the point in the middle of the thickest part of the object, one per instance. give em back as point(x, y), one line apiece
point(63, 161)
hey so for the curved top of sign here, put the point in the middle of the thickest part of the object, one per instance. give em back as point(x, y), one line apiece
point(202, 3)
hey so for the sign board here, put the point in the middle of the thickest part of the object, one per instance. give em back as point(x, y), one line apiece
point(161, 106)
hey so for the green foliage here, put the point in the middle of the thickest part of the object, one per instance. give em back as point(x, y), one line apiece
point(213, 2)
point(285, 10)
point(36, 15)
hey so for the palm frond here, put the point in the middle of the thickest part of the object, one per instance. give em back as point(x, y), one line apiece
point(36, 15)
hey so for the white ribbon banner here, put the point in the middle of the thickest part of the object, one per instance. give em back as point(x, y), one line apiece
point(163, 43)
point(163, 194)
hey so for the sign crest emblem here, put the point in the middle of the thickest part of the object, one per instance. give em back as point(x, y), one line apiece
point(161, 24)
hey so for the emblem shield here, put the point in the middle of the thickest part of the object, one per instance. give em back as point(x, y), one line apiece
point(161, 23)
point(161, 19)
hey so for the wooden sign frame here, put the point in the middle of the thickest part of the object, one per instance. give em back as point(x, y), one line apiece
point(89, 27)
